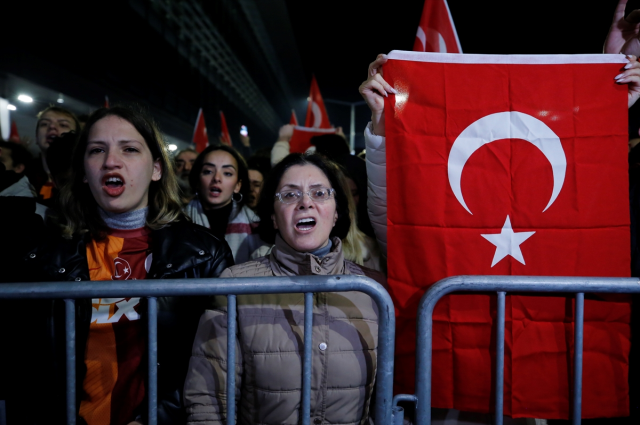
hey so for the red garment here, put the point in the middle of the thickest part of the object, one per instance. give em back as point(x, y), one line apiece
point(114, 386)
point(510, 165)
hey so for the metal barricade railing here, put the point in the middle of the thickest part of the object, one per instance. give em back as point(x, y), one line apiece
point(152, 289)
point(501, 285)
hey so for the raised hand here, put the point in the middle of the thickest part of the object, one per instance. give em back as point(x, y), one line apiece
point(374, 90)
point(631, 77)
point(624, 32)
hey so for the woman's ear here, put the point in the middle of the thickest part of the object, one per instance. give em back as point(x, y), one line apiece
point(273, 218)
point(157, 170)
point(335, 219)
point(238, 187)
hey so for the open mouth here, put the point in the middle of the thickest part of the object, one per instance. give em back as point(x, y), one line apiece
point(113, 185)
point(215, 192)
point(305, 224)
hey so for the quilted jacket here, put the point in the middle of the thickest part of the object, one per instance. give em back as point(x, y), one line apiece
point(269, 346)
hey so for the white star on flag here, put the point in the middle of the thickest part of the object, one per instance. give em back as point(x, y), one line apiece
point(507, 242)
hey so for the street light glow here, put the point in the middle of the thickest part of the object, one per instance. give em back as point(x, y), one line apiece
point(11, 107)
point(172, 147)
point(24, 98)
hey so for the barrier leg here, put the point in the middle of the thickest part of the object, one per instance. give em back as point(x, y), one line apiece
point(577, 359)
point(306, 362)
point(500, 359)
point(70, 347)
point(231, 359)
point(152, 352)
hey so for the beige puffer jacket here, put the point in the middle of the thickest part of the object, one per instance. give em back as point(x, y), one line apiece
point(269, 344)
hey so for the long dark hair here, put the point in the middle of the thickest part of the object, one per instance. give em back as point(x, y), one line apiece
point(78, 206)
point(266, 204)
point(243, 170)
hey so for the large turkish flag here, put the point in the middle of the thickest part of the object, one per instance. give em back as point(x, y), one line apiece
point(510, 165)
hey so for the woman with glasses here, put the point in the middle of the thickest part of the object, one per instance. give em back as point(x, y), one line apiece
point(303, 210)
point(220, 179)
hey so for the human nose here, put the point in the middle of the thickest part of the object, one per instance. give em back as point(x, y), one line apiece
point(305, 201)
point(112, 160)
point(187, 166)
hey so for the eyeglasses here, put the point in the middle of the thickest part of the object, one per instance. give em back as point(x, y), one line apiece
point(319, 194)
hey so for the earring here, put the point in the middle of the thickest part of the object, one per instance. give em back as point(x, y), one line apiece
point(237, 200)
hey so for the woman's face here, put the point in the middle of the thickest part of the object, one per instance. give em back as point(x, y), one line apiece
point(306, 224)
point(218, 179)
point(118, 165)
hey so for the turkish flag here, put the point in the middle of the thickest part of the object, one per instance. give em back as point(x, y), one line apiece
point(225, 137)
point(317, 116)
point(436, 32)
point(294, 119)
point(301, 138)
point(14, 136)
point(200, 138)
point(510, 165)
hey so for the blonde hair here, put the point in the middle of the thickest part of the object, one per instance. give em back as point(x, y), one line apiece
point(354, 241)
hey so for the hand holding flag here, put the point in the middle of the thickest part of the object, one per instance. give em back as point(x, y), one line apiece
point(631, 76)
point(624, 32)
point(374, 90)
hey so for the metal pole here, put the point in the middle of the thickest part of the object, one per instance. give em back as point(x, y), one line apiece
point(352, 129)
point(70, 345)
point(500, 359)
point(231, 359)
point(577, 360)
point(306, 363)
point(152, 351)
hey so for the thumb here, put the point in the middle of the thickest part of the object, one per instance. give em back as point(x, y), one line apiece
point(619, 13)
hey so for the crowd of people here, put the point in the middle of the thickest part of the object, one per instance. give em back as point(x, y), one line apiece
point(105, 200)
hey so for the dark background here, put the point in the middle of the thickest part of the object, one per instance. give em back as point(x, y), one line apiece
point(122, 48)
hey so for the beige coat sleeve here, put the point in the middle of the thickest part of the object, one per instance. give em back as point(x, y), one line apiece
point(377, 185)
point(205, 389)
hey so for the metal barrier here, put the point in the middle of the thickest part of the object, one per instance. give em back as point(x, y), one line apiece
point(502, 285)
point(151, 289)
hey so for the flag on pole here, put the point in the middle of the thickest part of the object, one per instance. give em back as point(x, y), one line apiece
point(225, 137)
point(106, 102)
point(14, 136)
point(316, 113)
point(301, 138)
point(510, 165)
point(436, 32)
point(200, 138)
point(294, 119)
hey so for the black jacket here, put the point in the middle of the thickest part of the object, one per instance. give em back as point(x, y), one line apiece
point(37, 371)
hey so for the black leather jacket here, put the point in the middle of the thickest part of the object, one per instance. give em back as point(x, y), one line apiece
point(181, 250)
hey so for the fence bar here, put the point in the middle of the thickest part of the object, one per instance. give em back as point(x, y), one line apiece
point(577, 359)
point(152, 352)
point(500, 359)
point(239, 286)
point(306, 363)
point(70, 347)
point(231, 359)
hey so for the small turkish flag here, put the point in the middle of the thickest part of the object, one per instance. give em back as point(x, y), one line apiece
point(200, 138)
point(225, 137)
point(294, 119)
point(14, 136)
point(301, 139)
point(436, 32)
point(510, 165)
point(316, 113)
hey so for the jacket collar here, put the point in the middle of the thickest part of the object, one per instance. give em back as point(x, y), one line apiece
point(286, 261)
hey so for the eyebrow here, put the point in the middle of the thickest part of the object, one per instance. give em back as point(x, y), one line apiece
point(214, 165)
point(295, 186)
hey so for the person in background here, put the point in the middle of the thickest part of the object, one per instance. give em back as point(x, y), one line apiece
point(13, 181)
point(184, 163)
point(119, 219)
point(220, 179)
point(259, 168)
point(52, 122)
point(304, 211)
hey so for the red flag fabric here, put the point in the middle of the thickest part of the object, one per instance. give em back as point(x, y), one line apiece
point(301, 139)
point(510, 165)
point(225, 137)
point(436, 32)
point(317, 116)
point(14, 136)
point(106, 101)
point(294, 118)
point(200, 138)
